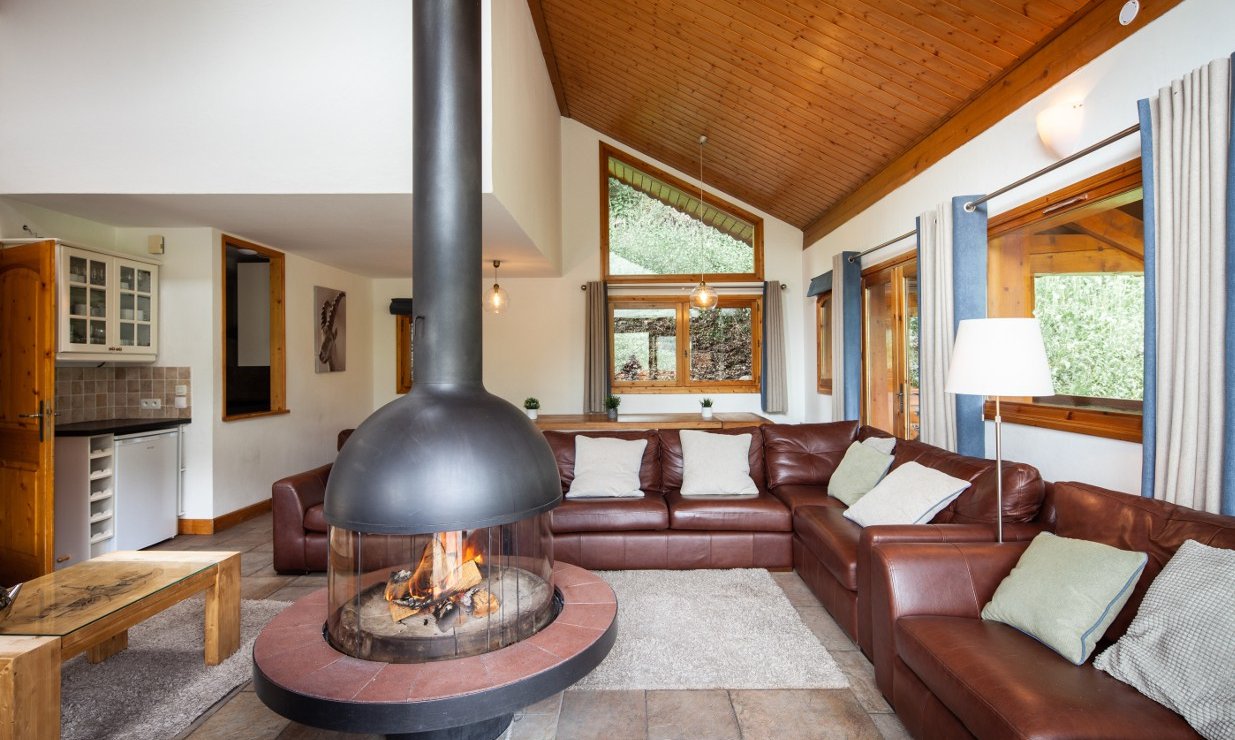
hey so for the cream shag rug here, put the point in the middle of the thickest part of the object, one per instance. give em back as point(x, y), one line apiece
point(709, 629)
point(159, 685)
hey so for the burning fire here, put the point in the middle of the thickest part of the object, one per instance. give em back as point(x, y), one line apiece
point(445, 584)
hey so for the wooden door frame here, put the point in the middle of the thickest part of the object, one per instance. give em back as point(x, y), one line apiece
point(900, 368)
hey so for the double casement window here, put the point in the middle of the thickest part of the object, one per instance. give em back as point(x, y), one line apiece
point(1075, 259)
point(657, 236)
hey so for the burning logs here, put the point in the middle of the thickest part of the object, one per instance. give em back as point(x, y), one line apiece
point(445, 584)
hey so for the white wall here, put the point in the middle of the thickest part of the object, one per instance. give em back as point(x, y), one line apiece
point(526, 151)
point(206, 96)
point(536, 348)
point(53, 225)
point(1186, 37)
point(383, 332)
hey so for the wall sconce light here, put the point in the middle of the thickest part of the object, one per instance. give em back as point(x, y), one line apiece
point(496, 300)
point(1059, 127)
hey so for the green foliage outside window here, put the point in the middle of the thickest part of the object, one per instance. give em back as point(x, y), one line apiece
point(1093, 327)
point(647, 237)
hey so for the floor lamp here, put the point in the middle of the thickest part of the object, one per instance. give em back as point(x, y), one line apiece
point(999, 357)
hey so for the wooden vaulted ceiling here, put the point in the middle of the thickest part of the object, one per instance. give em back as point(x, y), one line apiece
point(813, 109)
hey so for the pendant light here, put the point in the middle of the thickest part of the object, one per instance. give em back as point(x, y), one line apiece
point(496, 300)
point(703, 296)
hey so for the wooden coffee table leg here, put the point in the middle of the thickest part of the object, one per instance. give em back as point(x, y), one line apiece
point(108, 647)
point(223, 612)
point(29, 688)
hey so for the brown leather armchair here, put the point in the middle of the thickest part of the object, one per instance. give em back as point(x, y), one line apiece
point(299, 524)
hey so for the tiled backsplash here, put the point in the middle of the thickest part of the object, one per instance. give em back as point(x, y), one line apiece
point(93, 393)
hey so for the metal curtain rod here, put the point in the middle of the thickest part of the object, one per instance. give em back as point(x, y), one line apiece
point(877, 247)
point(645, 286)
point(973, 204)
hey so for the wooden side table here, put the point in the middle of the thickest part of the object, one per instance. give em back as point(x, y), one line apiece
point(89, 607)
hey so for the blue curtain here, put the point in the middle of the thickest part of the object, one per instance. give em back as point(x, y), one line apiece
point(851, 311)
point(1149, 404)
point(969, 302)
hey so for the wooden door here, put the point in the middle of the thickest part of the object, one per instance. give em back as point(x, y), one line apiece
point(27, 391)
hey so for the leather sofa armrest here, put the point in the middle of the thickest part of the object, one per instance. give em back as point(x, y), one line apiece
point(291, 497)
point(939, 579)
point(884, 533)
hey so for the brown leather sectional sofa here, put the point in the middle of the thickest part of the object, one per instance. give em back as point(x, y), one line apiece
point(948, 674)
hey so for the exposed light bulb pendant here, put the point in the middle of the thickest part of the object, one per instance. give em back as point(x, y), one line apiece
point(703, 296)
point(496, 300)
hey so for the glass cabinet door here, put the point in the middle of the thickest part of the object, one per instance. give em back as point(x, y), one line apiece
point(135, 312)
point(87, 280)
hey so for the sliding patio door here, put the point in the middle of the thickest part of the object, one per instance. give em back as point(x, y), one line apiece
point(890, 347)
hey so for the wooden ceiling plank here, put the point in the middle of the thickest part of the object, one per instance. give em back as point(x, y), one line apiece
point(1075, 46)
point(977, 28)
point(814, 50)
point(865, 39)
point(855, 116)
point(546, 50)
point(855, 123)
point(696, 36)
point(907, 34)
point(845, 75)
point(1053, 14)
point(919, 23)
point(1018, 21)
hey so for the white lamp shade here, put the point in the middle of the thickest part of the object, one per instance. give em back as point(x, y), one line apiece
point(999, 357)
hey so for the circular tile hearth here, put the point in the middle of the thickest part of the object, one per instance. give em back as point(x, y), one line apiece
point(298, 674)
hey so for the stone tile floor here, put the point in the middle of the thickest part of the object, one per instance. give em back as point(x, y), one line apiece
point(857, 712)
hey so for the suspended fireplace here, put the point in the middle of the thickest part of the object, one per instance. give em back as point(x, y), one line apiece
point(444, 611)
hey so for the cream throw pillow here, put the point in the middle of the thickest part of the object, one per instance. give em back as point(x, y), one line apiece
point(911, 494)
point(859, 471)
point(1065, 592)
point(1179, 649)
point(607, 468)
point(883, 444)
point(716, 464)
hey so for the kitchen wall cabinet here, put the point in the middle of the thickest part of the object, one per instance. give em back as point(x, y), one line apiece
point(108, 306)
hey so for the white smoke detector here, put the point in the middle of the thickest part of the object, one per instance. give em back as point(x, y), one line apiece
point(1128, 12)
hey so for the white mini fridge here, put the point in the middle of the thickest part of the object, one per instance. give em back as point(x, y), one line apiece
point(146, 490)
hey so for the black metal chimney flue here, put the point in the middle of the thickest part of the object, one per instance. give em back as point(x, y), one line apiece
point(446, 210)
point(448, 455)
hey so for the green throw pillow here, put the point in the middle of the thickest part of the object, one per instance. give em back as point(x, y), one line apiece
point(1065, 592)
point(862, 467)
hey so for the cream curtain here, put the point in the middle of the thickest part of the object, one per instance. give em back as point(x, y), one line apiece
point(1186, 130)
point(936, 326)
point(775, 386)
point(596, 349)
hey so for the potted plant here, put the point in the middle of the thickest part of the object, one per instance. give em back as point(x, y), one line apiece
point(611, 405)
point(707, 408)
point(531, 406)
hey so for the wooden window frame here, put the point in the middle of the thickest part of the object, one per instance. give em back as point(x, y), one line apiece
point(278, 348)
point(712, 200)
point(403, 354)
point(683, 383)
point(823, 338)
point(1122, 182)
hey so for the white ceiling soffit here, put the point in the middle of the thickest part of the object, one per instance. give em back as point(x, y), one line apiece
point(368, 234)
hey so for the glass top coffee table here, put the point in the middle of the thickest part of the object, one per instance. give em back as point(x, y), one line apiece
point(89, 607)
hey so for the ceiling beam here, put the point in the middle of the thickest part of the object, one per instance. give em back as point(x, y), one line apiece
point(1075, 46)
point(546, 48)
point(1116, 228)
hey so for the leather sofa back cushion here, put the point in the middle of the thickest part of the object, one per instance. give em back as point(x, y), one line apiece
point(805, 454)
point(1023, 488)
point(671, 455)
point(563, 446)
point(1131, 522)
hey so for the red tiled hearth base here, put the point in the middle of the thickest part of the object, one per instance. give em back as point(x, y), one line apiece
point(299, 675)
